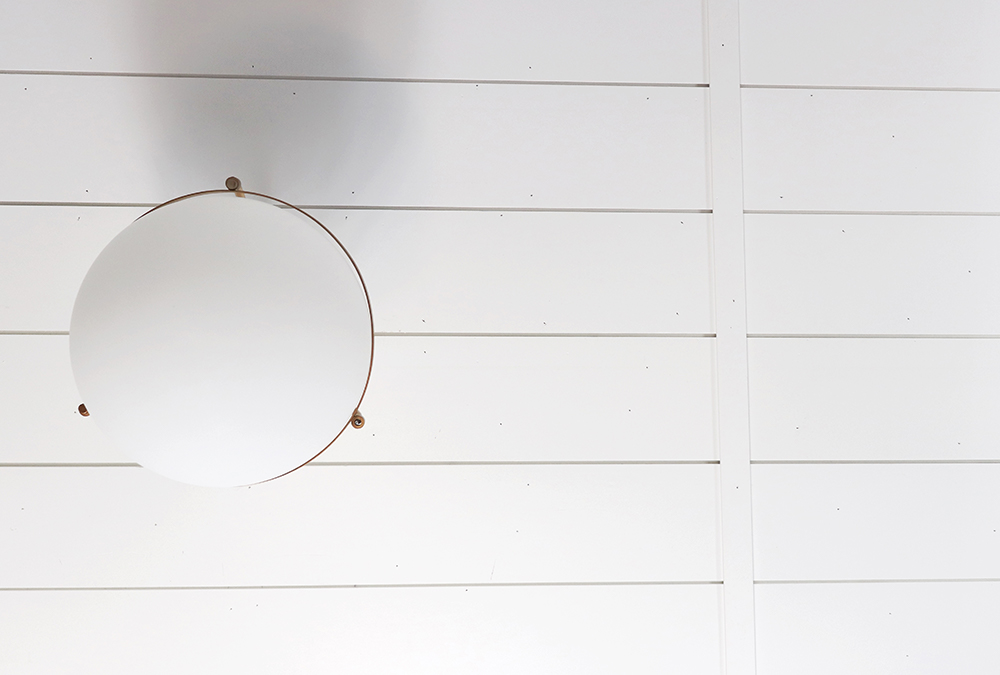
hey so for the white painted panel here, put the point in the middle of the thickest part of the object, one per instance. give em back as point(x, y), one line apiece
point(646, 629)
point(360, 525)
point(45, 252)
point(831, 629)
point(532, 272)
point(598, 40)
point(835, 150)
point(479, 272)
point(883, 521)
point(898, 43)
point(918, 275)
point(888, 399)
point(536, 399)
point(128, 139)
point(39, 421)
point(730, 294)
point(438, 399)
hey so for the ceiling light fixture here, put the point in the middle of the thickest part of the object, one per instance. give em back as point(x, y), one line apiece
point(224, 338)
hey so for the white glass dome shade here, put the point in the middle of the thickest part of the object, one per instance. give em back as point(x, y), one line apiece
point(223, 338)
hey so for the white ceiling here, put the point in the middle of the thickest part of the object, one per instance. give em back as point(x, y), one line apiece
point(686, 351)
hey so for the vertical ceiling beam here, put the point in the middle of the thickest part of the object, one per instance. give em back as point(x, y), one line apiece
point(726, 158)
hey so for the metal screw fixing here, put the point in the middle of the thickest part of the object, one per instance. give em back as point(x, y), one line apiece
point(233, 183)
point(357, 421)
point(83, 410)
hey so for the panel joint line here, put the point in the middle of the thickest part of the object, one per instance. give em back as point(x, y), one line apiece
point(733, 400)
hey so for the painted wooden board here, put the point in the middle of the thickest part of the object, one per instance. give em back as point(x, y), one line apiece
point(598, 40)
point(885, 521)
point(39, 422)
point(874, 399)
point(537, 399)
point(146, 140)
point(890, 43)
point(45, 253)
point(863, 274)
point(597, 629)
point(835, 150)
point(532, 272)
point(125, 526)
point(441, 271)
point(434, 399)
point(829, 629)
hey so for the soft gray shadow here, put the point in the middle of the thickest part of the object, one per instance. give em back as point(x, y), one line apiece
point(305, 141)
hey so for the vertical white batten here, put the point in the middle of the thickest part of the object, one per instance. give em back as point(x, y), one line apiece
point(726, 159)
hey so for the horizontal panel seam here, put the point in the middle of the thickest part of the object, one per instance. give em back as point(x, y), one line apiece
point(638, 462)
point(457, 334)
point(821, 212)
point(34, 332)
point(344, 78)
point(874, 461)
point(869, 87)
point(874, 336)
point(504, 209)
point(376, 207)
point(525, 584)
point(544, 335)
point(777, 582)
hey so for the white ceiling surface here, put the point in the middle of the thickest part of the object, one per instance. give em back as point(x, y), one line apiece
point(525, 187)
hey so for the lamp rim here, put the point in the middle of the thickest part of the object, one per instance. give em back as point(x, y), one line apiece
point(240, 193)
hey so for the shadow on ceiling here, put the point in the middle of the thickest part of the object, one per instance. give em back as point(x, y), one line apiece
point(309, 141)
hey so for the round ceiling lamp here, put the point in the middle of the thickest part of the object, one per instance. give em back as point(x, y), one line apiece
point(224, 338)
